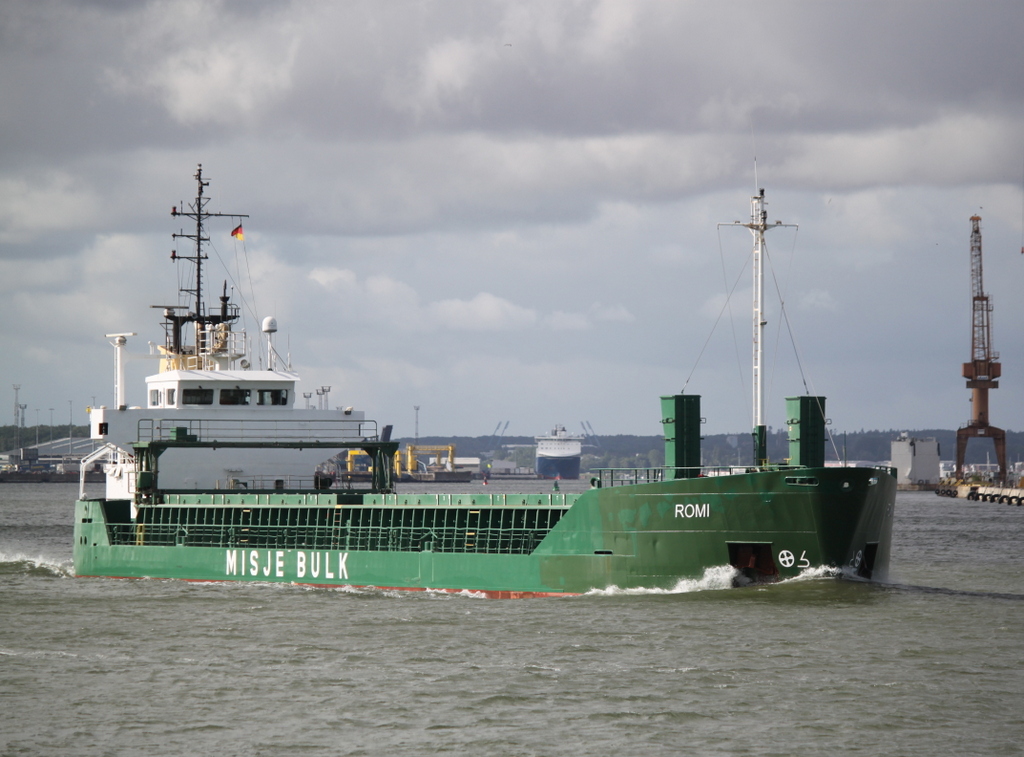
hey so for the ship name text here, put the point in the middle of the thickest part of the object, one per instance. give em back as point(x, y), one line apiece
point(292, 564)
point(690, 510)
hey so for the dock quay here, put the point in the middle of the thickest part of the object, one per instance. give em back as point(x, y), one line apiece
point(1003, 495)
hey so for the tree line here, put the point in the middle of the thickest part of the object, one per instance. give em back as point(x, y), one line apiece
point(636, 451)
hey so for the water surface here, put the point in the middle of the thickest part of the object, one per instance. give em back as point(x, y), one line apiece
point(928, 664)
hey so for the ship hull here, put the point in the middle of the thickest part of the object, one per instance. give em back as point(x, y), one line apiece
point(565, 468)
point(768, 525)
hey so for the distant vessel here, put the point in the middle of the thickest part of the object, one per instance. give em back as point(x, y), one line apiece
point(916, 462)
point(558, 454)
point(220, 478)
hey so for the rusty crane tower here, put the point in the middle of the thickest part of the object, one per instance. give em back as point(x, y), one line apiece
point(983, 370)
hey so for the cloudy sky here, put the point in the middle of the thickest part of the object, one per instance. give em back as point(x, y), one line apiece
point(508, 211)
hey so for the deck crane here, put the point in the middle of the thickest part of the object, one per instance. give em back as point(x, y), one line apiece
point(983, 370)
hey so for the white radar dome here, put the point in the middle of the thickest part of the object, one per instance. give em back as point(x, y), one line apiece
point(269, 325)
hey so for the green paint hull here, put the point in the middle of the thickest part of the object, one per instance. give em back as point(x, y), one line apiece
point(646, 535)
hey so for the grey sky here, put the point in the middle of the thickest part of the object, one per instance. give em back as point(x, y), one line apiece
point(507, 211)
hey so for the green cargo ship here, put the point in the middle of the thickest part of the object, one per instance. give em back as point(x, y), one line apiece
point(217, 479)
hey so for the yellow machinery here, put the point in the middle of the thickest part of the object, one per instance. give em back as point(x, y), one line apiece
point(406, 461)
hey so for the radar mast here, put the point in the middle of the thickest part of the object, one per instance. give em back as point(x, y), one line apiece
point(205, 323)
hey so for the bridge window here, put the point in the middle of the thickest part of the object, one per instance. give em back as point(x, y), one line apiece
point(272, 397)
point(154, 398)
point(170, 398)
point(234, 396)
point(197, 396)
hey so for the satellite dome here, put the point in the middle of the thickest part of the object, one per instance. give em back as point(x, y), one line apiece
point(269, 325)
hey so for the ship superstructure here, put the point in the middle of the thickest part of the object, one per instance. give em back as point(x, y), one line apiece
point(207, 388)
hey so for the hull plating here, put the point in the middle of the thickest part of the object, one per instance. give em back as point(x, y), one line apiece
point(647, 535)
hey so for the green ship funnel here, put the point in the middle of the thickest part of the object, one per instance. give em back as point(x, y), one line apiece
point(680, 418)
point(806, 430)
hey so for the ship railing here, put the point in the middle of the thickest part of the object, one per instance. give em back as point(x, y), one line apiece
point(451, 540)
point(218, 341)
point(514, 530)
point(255, 431)
point(604, 477)
point(111, 452)
point(286, 482)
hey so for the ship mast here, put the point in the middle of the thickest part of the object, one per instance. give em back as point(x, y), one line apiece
point(197, 212)
point(758, 225)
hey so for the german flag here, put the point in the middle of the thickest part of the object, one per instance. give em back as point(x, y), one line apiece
point(237, 233)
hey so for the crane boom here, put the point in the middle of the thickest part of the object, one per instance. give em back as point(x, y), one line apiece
point(981, 336)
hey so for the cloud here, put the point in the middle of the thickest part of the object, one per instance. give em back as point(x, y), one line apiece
point(335, 280)
point(816, 299)
point(484, 202)
point(484, 312)
point(444, 76)
point(562, 321)
point(972, 148)
point(612, 313)
point(53, 201)
point(199, 73)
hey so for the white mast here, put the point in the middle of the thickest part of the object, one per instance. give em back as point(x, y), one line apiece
point(119, 342)
point(758, 225)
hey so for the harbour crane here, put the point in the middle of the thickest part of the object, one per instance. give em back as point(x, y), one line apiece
point(984, 369)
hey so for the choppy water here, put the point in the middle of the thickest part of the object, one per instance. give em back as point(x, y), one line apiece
point(930, 664)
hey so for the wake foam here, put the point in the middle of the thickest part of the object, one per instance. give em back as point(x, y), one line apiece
point(815, 573)
point(714, 579)
point(721, 577)
point(15, 564)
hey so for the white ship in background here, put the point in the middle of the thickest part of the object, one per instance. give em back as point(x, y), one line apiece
point(558, 454)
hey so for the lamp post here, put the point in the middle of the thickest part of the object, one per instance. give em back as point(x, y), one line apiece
point(17, 413)
point(51, 425)
point(71, 431)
